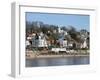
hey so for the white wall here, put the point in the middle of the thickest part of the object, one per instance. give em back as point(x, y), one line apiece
point(5, 41)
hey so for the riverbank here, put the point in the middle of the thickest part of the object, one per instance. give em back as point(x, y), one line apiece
point(53, 56)
point(46, 54)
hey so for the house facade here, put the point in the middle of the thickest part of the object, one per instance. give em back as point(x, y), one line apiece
point(39, 41)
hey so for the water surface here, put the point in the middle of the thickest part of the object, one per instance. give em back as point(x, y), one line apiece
point(38, 62)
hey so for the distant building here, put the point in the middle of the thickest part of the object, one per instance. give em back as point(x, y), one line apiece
point(65, 33)
point(65, 43)
point(59, 30)
point(39, 23)
point(39, 41)
point(27, 43)
point(84, 44)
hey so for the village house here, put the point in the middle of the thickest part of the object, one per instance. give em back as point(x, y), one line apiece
point(84, 44)
point(39, 40)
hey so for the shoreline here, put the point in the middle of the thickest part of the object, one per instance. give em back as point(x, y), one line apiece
point(54, 56)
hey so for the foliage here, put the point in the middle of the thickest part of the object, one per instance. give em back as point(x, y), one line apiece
point(48, 30)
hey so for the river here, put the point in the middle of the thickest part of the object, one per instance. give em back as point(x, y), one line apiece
point(78, 60)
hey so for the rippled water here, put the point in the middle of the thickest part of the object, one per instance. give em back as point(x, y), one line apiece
point(57, 61)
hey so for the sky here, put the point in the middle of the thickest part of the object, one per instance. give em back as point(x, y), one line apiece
point(77, 21)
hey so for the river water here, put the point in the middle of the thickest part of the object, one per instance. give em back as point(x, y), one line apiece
point(57, 61)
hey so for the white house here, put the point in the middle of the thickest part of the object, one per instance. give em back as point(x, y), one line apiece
point(27, 43)
point(84, 45)
point(65, 42)
point(59, 30)
point(40, 42)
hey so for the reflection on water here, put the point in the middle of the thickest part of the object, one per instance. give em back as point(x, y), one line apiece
point(57, 61)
